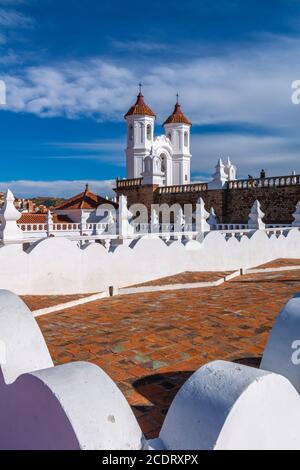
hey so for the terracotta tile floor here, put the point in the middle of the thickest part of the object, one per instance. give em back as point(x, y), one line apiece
point(36, 302)
point(151, 343)
point(186, 278)
point(279, 263)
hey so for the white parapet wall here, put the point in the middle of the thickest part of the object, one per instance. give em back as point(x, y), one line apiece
point(222, 406)
point(60, 266)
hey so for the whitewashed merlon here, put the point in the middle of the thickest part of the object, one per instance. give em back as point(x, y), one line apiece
point(212, 219)
point(9, 230)
point(255, 220)
point(69, 407)
point(201, 215)
point(227, 406)
point(282, 353)
point(296, 215)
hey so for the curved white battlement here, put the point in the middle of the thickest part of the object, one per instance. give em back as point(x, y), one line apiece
point(72, 406)
point(57, 266)
point(282, 353)
point(229, 406)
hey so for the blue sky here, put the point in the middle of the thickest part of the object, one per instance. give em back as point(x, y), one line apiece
point(72, 69)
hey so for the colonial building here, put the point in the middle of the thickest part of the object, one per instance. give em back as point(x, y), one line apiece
point(165, 159)
point(158, 171)
point(77, 215)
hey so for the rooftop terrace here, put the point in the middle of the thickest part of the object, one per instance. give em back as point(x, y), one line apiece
point(151, 343)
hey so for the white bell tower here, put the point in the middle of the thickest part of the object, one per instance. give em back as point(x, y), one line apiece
point(177, 129)
point(140, 135)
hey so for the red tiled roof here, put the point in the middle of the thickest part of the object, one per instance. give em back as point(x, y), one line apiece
point(33, 218)
point(177, 117)
point(85, 200)
point(140, 108)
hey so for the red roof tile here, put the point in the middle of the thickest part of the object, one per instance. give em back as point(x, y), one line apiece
point(177, 117)
point(85, 200)
point(140, 108)
point(33, 218)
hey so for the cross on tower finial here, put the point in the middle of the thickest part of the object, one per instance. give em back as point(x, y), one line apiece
point(140, 87)
point(177, 96)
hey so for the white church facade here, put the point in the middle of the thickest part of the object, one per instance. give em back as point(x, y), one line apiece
point(164, 160)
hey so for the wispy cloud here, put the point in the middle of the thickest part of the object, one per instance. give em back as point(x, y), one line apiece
point(250, 86)
point(106, 150)
point(14, 19)
point(250, 153)
point(139, 46)
point(58, 188)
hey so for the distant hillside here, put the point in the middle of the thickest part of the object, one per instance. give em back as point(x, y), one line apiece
point(47, 201)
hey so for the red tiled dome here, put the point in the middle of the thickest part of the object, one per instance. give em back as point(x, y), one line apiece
point(140, 108)
point(177, 117)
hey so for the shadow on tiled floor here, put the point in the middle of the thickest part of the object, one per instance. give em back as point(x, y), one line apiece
point(249, 361)
point(160, 390)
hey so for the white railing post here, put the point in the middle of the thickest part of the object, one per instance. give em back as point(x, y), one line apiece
point(111, 223)
point(49, 224)
point(9, 230)
point(255, 220)
point(179, 220)
point(126, 229)
point(201, 215)
point(154, 221)
point(212, 219)
point(296, 216)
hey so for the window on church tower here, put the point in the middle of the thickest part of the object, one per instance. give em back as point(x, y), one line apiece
point(186, 139)
point(163, 163)
point(149, 132)
point(131, 133)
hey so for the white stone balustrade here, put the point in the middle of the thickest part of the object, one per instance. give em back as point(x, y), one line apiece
point(121, 223)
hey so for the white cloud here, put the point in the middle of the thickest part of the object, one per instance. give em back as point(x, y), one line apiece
point(250, 153)
point(105, 150)
point(249, 85)
point(58, 188)
point(13, 19)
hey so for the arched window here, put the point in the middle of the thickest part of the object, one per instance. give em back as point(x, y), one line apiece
point(178, 140)
point(163, 163)
point(142, 130)
point(131, 133)
point(149, 132)
point(186, 139)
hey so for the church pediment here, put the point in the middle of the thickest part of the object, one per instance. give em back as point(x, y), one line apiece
point(162, 144)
